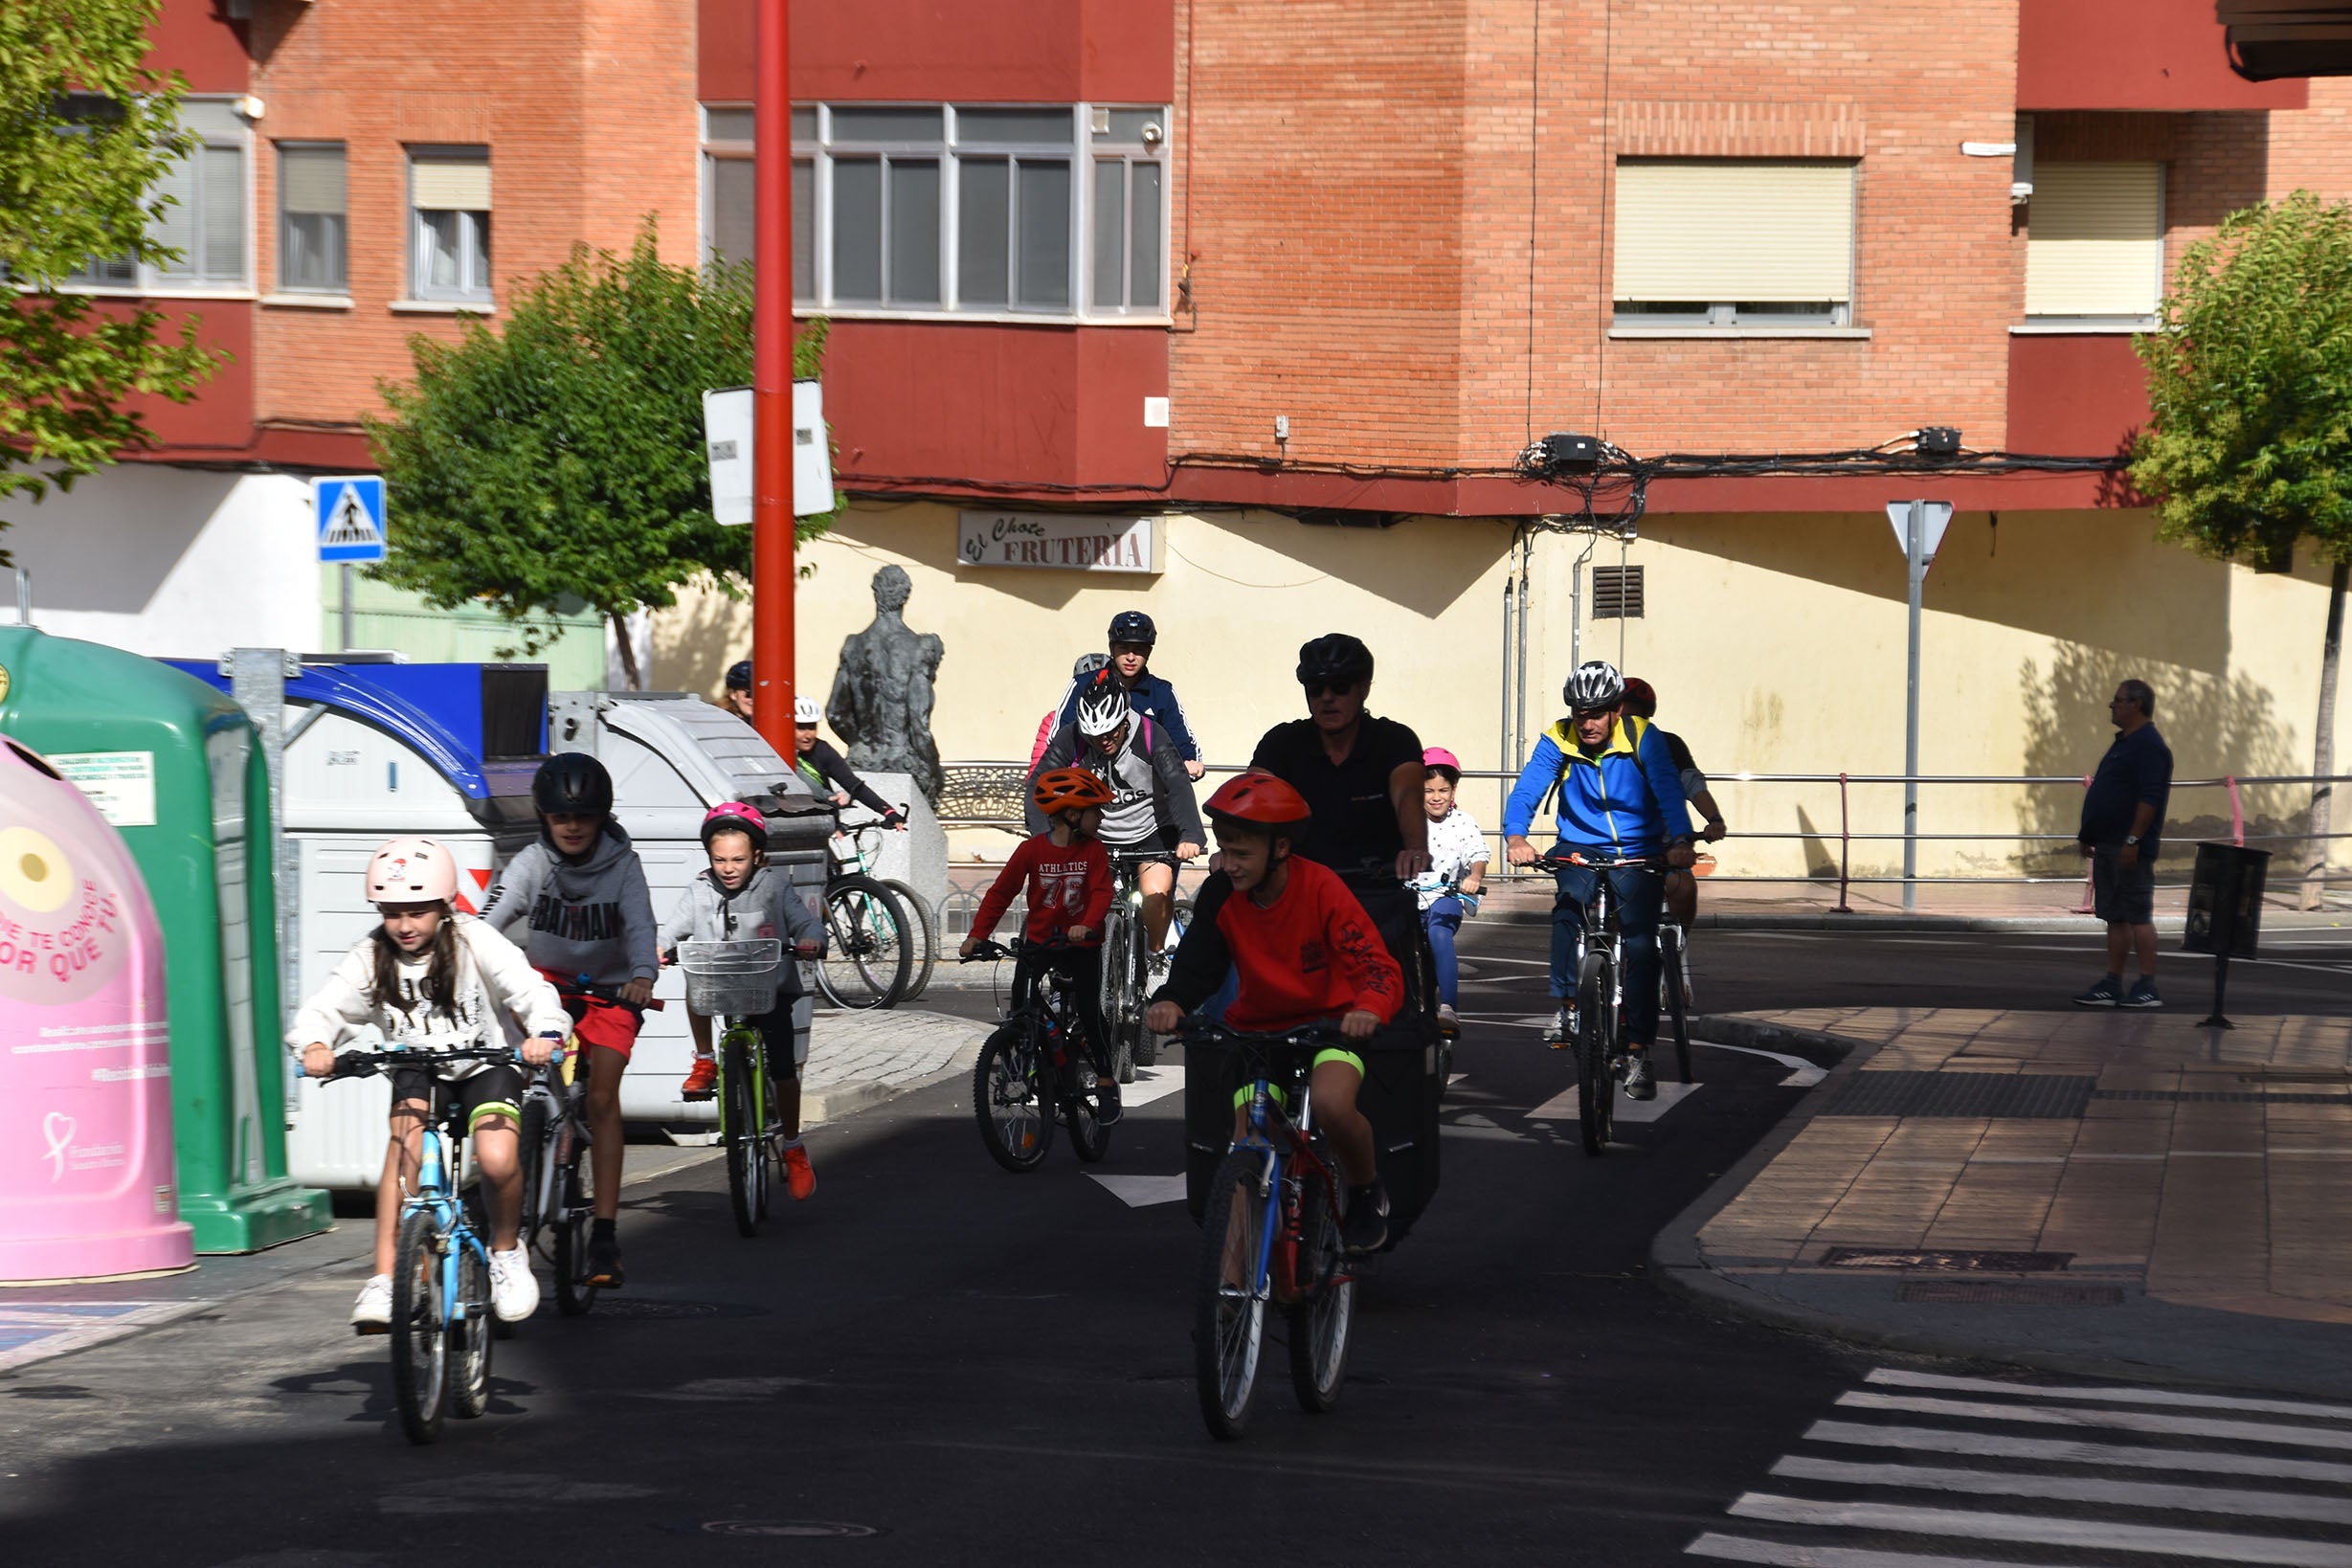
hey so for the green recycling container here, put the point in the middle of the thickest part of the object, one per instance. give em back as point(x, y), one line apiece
point(177, 768)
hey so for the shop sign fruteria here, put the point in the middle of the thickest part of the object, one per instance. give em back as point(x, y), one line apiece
point(1058, 541)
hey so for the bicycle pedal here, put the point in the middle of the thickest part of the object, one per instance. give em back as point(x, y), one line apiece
point(701, 1094)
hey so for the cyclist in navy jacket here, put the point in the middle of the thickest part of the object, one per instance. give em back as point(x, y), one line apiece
point(1132, 637)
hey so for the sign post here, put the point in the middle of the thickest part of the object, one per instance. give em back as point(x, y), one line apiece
point(349, 512)
point(1919, 528)
point(2224, 913)
point(773, 567)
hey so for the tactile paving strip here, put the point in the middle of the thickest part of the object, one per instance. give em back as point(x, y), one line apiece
point(1973, 1094)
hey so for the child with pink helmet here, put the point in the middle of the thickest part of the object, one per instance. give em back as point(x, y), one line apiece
point(428, 979)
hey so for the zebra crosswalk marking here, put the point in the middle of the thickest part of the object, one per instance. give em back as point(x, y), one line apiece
point(2128, 1421)
point(1790, 1554)
point(1999, 1445)
point(1893, 1377)
point(2045, 1530)
point(2072, 1489)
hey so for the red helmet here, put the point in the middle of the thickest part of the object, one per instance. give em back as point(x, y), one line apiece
point(1641, 701)
point(734, 816)
point(1069, 788)
point(1258, 799)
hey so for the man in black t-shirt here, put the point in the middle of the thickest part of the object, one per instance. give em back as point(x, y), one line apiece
point(1361, 776)
point(1681, 885)
point(2122, 822)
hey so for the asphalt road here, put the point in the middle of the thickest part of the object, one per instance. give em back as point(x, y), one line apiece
point(939, 1362)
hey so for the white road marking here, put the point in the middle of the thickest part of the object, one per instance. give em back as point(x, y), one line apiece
point(1801, 1074)
point(1790, 1554)
point(2044, 1530)
point(1141, 1192)
point(2071, 1488)
point(2065, 1451)
point(1151, 1084)
point(2127, 1420)
point(1898, 1378)
point(47, 1329)
point(1565, 1105)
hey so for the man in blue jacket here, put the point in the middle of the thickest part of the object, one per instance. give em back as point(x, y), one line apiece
point(1132, 637)
point(1620, 795)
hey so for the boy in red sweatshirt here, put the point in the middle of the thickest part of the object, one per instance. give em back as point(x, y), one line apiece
point(1067, 873)
point(1306, 952)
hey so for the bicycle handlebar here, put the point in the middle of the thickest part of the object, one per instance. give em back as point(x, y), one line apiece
point(1588, 861)
point(1195, 1028)
point(992, 950)
point(369, 1064)
point(583, 986)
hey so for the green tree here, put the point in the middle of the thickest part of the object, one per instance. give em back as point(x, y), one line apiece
point(562, 457)
point(2250, 447)
point(87, 132)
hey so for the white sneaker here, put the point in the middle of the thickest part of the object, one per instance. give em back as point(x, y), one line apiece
point(372, 1312)
point(514, 1290)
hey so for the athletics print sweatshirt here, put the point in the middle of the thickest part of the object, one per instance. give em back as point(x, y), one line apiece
point(591, 916)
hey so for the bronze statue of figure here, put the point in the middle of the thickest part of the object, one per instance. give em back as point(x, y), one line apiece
point(882, 692)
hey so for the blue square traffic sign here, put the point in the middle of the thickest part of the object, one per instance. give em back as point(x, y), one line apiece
point(349, 510)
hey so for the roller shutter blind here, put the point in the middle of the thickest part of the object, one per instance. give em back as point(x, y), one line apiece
point(312, 179)
point(1727, 231)
point(450, 184)
point(2095, 239)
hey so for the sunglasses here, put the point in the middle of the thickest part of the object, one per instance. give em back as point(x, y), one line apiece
point(1325, 688)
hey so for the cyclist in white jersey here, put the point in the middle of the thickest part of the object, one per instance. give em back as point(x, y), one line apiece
point(1152, 806)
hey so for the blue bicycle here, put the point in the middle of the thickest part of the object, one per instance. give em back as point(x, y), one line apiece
point(1270, 1235)
point(441, 1322)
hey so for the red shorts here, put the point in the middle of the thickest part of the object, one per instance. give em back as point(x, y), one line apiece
point(597, 1021)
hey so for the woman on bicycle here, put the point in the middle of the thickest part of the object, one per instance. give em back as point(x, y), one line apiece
point(740, 897)
point(428, 979)
point(1448, 890)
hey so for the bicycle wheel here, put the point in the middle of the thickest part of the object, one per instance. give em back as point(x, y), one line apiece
point(1017, 1122)
point(420, 1338)
point(741, 1133)
point(868, 959)
point(923, 925)
point(575, 1203)
point(1326, 1307)
point(1229, 1303)
point(1677, 998)
point(472, 1330)
point(531, 1147)
point(1596, 1038)
point(1122, 955)
point(1089, 1137)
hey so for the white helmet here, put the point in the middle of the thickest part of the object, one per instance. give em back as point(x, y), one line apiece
point(1596, 684)
point(1102, 711)
point(804, 710)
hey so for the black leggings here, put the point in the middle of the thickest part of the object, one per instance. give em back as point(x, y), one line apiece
point(1085, 968)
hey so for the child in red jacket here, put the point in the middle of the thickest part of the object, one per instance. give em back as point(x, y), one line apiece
point(1306, 953)
point(1067, 873)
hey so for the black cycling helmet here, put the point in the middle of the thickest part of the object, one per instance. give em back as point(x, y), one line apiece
point(572, 783)
point(1334, 659)
point(739, 675)
point(1133, 626)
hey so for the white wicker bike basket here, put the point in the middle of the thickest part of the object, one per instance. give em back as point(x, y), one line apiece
point(736, 978)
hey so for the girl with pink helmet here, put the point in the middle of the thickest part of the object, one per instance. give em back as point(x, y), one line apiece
point(428, 979)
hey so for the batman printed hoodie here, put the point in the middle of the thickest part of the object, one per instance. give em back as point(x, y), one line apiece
point(591, 916)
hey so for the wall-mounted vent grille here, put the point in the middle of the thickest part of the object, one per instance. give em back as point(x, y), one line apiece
point(1617, 593)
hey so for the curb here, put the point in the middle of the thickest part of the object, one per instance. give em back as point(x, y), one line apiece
point(1677, 1264)
point(838, 1102)
point(1871, 924)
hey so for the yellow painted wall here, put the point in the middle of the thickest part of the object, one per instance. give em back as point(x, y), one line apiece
point(1776, 642)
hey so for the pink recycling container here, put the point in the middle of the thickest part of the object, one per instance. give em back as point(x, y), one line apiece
point(86, 1186)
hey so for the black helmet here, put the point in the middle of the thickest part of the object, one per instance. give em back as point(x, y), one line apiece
point(572, 783)
point(739, 675)
point(1334, 659)
point(1133, 626)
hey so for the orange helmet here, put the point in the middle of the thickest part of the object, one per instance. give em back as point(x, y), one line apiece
point(1258, 799)
point(1069, 788)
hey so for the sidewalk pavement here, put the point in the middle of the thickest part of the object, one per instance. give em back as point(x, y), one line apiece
point(2093, 1191)
point(856, 1060)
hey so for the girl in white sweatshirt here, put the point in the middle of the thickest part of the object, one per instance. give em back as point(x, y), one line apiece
point(430, 978)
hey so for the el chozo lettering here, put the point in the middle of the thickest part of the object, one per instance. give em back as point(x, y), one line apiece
point(1013, 542)
point(576, 922)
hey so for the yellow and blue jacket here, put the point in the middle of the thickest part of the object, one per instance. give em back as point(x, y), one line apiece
point(1627, 798)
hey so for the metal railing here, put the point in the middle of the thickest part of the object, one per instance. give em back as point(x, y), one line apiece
point(1011, 784)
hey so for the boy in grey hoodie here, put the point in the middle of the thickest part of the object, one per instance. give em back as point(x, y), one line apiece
point(582, 891)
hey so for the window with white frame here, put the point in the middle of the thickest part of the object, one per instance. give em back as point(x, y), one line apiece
point(449, 203)
point(934, 210)
point(1729, 242)
point(209, 205)
point(313, 223)
point(2094, 241)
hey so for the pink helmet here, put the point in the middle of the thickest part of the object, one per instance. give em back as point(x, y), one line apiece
point(1437, 757)
point(411, 870)
point(734, 816)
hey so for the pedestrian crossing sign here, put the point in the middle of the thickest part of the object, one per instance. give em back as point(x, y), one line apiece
point(349, 508)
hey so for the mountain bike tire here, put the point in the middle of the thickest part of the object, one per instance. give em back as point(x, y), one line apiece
point(1121, 955)
point(419, 1332)
point(741, 1134)
point(868, 957)
point(1229, 1309)
point(1009, 1101)
point(531, 1145)
point(1596, 1019)
point(1677, 998)
point(926, 931)
point(1326, 1309)
point(1089, 1139)
point(472, 1332)
point(575, 1206)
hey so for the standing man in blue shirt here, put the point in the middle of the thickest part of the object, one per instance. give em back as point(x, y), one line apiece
point(2122, 823)
point(1620, 795)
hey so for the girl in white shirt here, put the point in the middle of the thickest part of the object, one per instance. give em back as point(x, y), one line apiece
point(428, 979)
point(1449, 888)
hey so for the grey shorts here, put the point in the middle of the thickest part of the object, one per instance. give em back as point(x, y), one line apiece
point(2121, 897)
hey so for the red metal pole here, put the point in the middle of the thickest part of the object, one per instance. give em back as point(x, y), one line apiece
point(772, 687)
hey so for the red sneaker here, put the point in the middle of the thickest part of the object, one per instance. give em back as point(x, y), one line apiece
point(799, 1180)
point(702, 1079)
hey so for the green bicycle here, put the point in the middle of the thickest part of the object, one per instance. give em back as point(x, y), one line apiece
point(735, 982)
